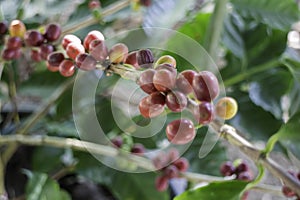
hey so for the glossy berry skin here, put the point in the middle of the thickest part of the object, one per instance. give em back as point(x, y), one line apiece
point(164, 80)
point(145, 81)
point(145, 58)
point(93, 4)
point(138, 149)
point(242, 167)
point(3, 27)
point(176, 101)
point(67, 39)
point(182, 164)
point(226, 108)
point(33, 38)
point(92, 35)
point(74, 49)
point(17, 28)
point(118, 53)
point(14, 43)
point(85, 62)
point(184, 81)
point(132, 59)
point(161, 183)
point(52, 68)
point(53, 32)
point(45, 50)
point(151, 106)
point(244, 176)
point(204, 113)
point(227, 169)
point(8, 54)
point(180, 131)
point(35, 55)
point(168, 67)
point(171, 172)
point(166, 59)
point(206, 86)
point(98, 50)
point(117, 142)
point(55, 58)
point(67, 68)
point(287, 191)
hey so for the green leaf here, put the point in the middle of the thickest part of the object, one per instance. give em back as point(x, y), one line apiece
point(229, 190)
point(277, 14)
point(252, 119)
point(289, 135)
point(41, 187)
point(51, 164)
point(267, 91)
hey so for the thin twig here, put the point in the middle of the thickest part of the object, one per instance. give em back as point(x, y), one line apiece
point(105, 150)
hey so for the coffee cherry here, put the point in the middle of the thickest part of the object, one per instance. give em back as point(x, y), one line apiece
point(245, 176)
point(55, 58)
point(18, 53)
point(145, 58)
point(176, 101)
point(184, 81)
point(3, 27)
point(206, 86)
point(8, 54)
point(227, 169)
point(180, 131)
point(151, 106)
point(85, 62)
point(166, 59)
point(35, 55)
point(17, 28)
point(173, 154)
point(117, 141)
point(132, 59)
point(33, 38)
point(226, 108)
point(164, 80)
point(93, 4)
point(92, 35)
point(138, 149)
point(161, 183)
point(14, 43)
point(182, 164)
point(145, 3)
point(45, 50)
point(118, 53)
point(53, 32)
point(287, 191)
point(67, 68)
point(160, 161)
point(242, 167)
point(52, 68)
point(145, 81)
point(67, 39)
point(74, 49)
point(204, 113)
point(98, 50)
point(168, 67)
point(171, 172)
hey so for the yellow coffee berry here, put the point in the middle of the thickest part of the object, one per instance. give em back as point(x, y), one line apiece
point(226, 107)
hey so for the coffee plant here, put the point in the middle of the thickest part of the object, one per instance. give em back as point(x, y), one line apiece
point(150, 99)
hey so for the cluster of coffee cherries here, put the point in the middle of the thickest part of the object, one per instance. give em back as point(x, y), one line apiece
point(170, 165)
point(288, 192)
point(39, 42)
point(135, 148)
point(240, 170)
point(178, 91)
